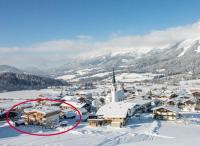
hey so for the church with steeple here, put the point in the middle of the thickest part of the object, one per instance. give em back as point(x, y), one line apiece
point(116, 94)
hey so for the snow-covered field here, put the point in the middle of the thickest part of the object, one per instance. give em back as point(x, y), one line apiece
point(138, 132)
point(66, 77)
point(133, 77)
point(123, 77)
point(29, 94)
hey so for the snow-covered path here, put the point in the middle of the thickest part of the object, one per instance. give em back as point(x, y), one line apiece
point(138, 132)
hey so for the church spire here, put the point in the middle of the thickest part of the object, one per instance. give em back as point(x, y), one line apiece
point(113, 78)
point(114, 88)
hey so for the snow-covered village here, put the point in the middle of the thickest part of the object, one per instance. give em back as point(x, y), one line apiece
point(99, 73)
point(112, 113)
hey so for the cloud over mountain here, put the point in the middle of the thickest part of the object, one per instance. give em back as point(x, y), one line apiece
point(56, 51)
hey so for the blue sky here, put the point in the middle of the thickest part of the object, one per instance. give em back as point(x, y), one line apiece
point(48, 32)
point(23, 22)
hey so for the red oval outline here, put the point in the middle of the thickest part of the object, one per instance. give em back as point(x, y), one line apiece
point(41, 99)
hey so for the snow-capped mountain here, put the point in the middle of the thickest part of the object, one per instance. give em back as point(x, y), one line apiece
point(179, 58)
point(182, 57)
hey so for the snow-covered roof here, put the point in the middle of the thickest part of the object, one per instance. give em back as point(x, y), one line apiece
point(175, 100)
point(43, 109)
point(190, 99)
point(83, 92)
point(170, 108)
point(139, 101)
point(73, 100)
point(67, 97)
point(182, 98)
point(74, 103)
point(115, 109)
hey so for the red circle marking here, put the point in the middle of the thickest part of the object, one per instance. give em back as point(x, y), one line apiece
point(39, 99)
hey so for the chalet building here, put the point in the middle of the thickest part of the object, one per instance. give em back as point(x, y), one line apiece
point(172, 102)
point(98, 122)
point(42, 115)
point(184, 104)
point(47, 103)
point(196, 94)
point(76, 102)
point(154, 96)
point(187, 105)
point(166, 113)
point(115, 114)
point(143, 105)
point(164, 97)
point(84, 94)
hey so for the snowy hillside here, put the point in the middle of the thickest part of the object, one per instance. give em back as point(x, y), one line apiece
point(181, 57)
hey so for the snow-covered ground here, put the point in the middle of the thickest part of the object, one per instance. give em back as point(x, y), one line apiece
point(132, 77)
point(29, 94)
point(138, 132)
point(122, 77)
point(66, 77)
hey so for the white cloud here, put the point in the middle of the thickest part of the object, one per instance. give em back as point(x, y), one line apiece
point(83, 45)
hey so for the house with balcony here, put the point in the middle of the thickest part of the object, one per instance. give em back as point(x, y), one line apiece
point(42, 115)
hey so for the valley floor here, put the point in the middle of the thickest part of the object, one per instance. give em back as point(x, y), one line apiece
point(138, 132)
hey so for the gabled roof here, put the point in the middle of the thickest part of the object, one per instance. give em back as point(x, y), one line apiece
point(139, 101)
point(74, 103)
point(169, 108)
point(186, 100)
point(181, 100)
point(115, 109)
point(73, 100)
point(43, 109)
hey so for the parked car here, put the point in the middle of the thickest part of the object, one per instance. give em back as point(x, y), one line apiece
point(63, 123)
point(19, 123)
point(69, 114)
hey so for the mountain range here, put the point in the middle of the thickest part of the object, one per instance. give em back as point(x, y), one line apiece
point(182, 57)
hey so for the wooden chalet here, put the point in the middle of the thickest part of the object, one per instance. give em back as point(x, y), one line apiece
point(115, 114)
point(46, 116)
point(196, 94)
point(98, 122)
point(166, 113)
point(187, 105)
